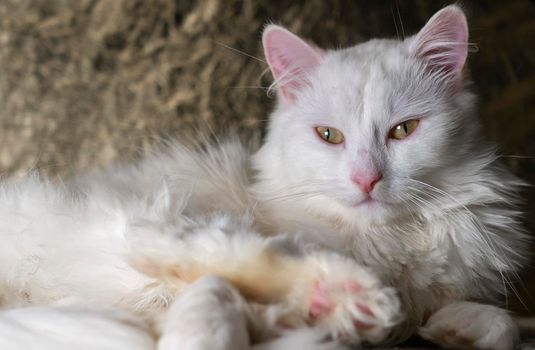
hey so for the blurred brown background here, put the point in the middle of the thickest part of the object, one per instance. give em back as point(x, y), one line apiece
point(88, 82)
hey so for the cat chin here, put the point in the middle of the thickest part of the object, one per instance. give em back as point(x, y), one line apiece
point(373, 213)
point(362, 214)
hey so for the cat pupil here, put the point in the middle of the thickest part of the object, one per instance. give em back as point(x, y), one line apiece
point(405, 128)
point(327, 134)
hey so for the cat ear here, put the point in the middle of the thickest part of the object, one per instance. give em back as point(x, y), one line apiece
point(443, 42)
point(290, 59)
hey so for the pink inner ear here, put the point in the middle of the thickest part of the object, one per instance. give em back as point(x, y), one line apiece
point(290, 59)
point(443, 42)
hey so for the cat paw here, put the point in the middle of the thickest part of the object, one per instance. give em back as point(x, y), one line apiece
point(468, 325)
point(352, 303)
point(207, 314)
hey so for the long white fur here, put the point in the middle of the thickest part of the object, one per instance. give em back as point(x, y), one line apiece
point(446, 229)
point(46, 328)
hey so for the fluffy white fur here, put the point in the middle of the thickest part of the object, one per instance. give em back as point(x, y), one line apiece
point(66, 329)
point(285, 227)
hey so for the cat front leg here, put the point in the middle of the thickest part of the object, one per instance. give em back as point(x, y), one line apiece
point(469, 325)
point(208, 314)
point(211, 314)
point(310, 287)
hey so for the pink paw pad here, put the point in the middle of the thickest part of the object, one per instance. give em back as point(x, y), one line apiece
point(319, 304)
point(366, 311)
point(352, 287)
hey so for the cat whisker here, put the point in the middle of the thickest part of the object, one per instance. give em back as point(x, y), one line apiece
point(484, 237)
point(239, 51)
point(294, 195)
point(515, 156)
point(290, 74)
point(249, 87)
point(407, 203)
point(400, 22)
point(298, 191)
point(395, 22)
point(505, 280)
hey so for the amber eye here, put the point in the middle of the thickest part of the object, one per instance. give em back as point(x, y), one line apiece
point(402, 130)
point(330, 134)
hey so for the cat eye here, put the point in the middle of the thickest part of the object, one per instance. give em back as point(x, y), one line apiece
point(402, 130)
point(330, 134)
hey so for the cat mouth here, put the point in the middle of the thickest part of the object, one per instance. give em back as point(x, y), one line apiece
point(368, 201)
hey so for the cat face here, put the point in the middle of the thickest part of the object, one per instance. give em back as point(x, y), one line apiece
point(357, 130)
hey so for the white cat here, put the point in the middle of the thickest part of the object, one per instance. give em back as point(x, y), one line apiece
point(372, 211)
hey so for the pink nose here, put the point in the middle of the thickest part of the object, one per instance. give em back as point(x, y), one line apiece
point(366, 182)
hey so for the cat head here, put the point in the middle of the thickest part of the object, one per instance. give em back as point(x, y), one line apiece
point(356, 131)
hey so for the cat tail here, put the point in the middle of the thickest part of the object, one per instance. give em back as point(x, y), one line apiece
point(48, 328)
point(304, 338)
